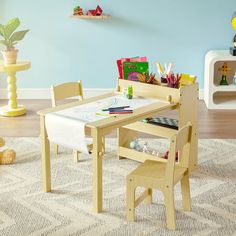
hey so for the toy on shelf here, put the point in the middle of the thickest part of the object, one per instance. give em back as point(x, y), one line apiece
point(233, 49)
point(7, 156)
point(135, 145)
point(164, 72)
point(173, 80)
point(224, 70)
point(129, 94)
point(155, 153)
point(78, 11)
point(167, 154)
point(145, 148)
point(95, 12)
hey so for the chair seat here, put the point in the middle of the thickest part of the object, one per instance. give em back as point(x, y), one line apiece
point(154, 171)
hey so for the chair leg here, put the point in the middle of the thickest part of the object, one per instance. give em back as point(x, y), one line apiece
point(148, 199)
point(170, 209)
point(56, 149)
point(186, 192)
point(76, 155)
point(130, 198)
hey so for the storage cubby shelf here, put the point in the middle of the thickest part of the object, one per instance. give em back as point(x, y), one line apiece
point(219, 96)
point(230, 88)
point(102, 17)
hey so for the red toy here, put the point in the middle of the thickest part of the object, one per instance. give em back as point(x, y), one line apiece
point(96, 12)
point(167, 154)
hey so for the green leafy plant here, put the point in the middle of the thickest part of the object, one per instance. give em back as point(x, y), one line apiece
point(10, 37)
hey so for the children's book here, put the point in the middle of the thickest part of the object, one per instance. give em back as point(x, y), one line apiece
point(122, 60)
point(133, 70)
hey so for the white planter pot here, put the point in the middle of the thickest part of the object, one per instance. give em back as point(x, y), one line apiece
point(9, 57)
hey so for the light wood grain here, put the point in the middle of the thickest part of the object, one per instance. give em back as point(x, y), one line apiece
point(86, 17)
point(213, 124)
point(162, 176)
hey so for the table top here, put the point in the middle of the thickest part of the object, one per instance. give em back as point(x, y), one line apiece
point(138, 113)
point(19, 66)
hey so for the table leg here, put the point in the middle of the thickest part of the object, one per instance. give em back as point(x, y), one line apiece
point(97, 171)
point(45, 152)
point(12, 109)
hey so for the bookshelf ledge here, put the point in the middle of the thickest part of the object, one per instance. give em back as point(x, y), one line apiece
point(102, 17)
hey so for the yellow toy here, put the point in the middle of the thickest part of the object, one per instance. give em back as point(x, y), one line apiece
point(233, 49)
point(6, 156)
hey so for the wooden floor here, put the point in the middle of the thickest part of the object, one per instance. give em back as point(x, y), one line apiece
point(212, 123)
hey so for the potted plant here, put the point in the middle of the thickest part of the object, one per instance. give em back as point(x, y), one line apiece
point(10, 37)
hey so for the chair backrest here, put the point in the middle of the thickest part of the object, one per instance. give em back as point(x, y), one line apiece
point(180, 143)
point(66, 90)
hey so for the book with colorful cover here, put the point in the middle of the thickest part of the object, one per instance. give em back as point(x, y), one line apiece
point(136, 71)
point(122, 60)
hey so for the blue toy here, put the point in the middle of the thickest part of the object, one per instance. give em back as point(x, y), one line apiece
point(135, 145)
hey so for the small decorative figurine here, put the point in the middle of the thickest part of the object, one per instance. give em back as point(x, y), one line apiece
point(224, 70)
point(96, 12)
point(78, 11)
point(145, 147)
point(129, 93)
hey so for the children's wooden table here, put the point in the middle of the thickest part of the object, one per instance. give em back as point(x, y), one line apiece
point(124, 123)
point(13, 109)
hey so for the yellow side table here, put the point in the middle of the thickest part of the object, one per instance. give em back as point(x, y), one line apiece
point(13, 109)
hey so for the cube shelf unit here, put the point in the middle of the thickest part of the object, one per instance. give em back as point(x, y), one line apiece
point(219, 96)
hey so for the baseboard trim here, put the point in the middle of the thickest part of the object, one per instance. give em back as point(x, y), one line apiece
point(44, 93)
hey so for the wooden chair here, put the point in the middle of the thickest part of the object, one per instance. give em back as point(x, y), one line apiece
point(163, 176)
point(61, 92)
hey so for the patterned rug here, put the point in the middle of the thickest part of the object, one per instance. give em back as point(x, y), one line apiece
point(26, 210)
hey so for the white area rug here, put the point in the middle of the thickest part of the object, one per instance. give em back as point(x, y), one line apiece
point(26, 210)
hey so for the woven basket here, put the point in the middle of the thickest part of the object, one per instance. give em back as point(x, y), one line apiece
point(7, 157)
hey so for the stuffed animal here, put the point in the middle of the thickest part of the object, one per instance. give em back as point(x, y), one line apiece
point(6, 156)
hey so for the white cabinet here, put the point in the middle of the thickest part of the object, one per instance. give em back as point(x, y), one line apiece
point(218, 96)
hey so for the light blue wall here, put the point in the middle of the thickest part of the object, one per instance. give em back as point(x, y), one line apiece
point(63, 49)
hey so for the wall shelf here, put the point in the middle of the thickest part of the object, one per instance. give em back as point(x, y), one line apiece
point(102, 17)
